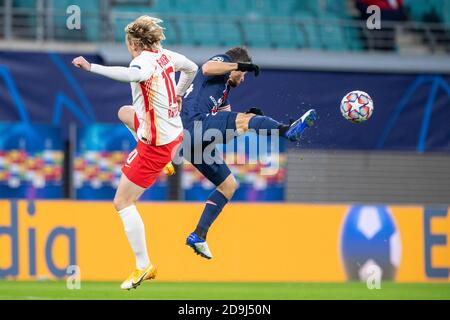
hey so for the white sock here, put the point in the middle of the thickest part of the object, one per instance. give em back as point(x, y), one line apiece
point(135, 231)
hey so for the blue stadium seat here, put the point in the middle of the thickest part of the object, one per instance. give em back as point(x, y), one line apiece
point(204, 32)
point(335, 36)
point(417, 9)
point(93, 19)
point(189, 6)
point(283, 35)
point(119, 26)
point(182, 6)
point(307, 34)
point(208, 7)
point(162, 6)
point(353, 38)
point(170, 32)
point(184, 27)
point(337, 8)
point(331, 34)
point(446, 11)
point(260, 7)
point(28, 22)
point(229, 33)
point(307, 7)
point(283, 8)
point(236, 7)
point(271, 8)
point(29, 4)
point(441, 8)
point(256, 33)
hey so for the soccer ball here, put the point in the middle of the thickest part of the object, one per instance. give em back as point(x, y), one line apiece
point(357, 106)
point(370, 241)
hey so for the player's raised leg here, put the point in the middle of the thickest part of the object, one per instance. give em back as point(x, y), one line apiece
point(128, 117)
point(221, 176)
point(264, 124)
point(125, 203)
point(207, 107)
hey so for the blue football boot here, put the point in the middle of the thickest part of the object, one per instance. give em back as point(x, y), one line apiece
point(199, 245)
point(307, 120)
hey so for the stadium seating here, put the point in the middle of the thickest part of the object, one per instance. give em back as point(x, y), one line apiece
point(235, 7)
point(332, 34)
point(284, 29)
point(286, 24)
point(281, 31)
point(307, 31)
point(162, 6)
point(283, 35)
point(419, 10)
point(90, 15)
point(230, 33)
point(23, 19)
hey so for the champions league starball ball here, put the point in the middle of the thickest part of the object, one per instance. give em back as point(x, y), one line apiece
point(370, 241)
point(357, 106)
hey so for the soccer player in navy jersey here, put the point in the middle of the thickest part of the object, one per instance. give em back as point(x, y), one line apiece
point(206, 107)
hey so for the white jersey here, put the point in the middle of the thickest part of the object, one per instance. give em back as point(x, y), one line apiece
point(155, 99)
point(152, 79)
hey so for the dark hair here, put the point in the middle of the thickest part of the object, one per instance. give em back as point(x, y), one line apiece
point(239, 54)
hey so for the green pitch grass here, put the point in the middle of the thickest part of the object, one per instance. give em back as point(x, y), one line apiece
point(218, 291)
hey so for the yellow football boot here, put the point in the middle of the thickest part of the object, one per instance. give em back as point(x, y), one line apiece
point(169, 169)
point(138, 276)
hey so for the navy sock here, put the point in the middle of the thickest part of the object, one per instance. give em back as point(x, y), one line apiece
point(213, 207)
point(283, 129)
point(258, 123)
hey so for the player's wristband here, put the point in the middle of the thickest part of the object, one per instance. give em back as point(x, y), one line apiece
point(244, 66)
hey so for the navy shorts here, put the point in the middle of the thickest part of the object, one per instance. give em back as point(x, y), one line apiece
point(199, 146)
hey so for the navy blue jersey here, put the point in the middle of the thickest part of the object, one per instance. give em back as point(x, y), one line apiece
point(207, 94)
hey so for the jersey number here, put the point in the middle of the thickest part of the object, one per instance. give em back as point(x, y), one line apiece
point(169, 85)
point(131, 156)
point(173, 111)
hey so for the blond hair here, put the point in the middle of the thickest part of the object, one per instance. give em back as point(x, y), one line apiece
point(145, 32)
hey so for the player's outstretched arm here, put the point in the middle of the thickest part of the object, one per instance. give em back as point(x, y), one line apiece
point(134, 73)
point(217, 68)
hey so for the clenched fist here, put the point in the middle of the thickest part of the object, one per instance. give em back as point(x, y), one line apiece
point(81, 62)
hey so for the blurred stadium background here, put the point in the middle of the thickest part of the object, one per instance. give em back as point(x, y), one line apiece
point(346, 198)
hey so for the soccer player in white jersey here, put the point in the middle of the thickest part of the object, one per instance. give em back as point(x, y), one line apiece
point(155, 115)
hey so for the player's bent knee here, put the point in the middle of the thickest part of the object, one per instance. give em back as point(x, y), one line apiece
point(121, 113)
point(228, 187)
point(124, 113)
point(242, 121)
point(121, 203)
